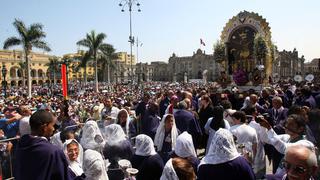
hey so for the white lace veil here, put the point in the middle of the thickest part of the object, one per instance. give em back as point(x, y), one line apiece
point(168, 172)
point(90, 134)
point(93, 166)
point(75, 166)
point(222, 148)
point(158, 139)
point(184, 146)
point(114, 134)
point(144, 146)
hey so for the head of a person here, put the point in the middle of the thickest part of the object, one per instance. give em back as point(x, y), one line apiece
point(226, 104)
point(253, 99)
point(277, 102)
point(25, 111)
point(218, 121)
point(72, 150)
point(42, 123)
point(153, 108)
point(93, 165)
point(295, 125)
point(144, 146)
point(182, 105)
point(183, 168)
point(184, 146)
point(205, 101)
point(168, 122)
point(251, 110)
point(298, 110)
point(122, 117)
point(222, 148)
point(300, 162)
point(306, 91)
point(146, 97)
point(108, 102)
point(265, 93)
point(239, 117)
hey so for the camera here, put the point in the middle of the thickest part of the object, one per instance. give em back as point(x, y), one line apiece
point(263, 116)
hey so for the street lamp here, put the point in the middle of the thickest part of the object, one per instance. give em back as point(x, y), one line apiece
point(4, 74)
point(129, 4)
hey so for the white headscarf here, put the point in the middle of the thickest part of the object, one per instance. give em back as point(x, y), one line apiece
point(158, 139)
point(75, 166)
point(222, 148)
point(168, 172)
point(90, 132)
point(93, 166)
point(114, 134)
point(184, 146)
point(126, 130)
point(144, 146)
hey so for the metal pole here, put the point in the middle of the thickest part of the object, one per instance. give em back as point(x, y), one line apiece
point(130, 39)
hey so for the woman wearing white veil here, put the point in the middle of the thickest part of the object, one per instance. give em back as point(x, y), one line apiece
point(117, 147)
point(223, 160)
point(74, 153)
point(185, 149)
point(94, 166)
point(166, 136)
point(91, 136)
point(146, 159)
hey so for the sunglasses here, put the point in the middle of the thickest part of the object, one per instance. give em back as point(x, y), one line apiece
point(295, 168)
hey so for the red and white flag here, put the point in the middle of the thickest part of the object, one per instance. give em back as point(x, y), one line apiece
point(202, 43)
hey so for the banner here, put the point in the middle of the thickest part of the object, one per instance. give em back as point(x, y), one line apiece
point(64, 80)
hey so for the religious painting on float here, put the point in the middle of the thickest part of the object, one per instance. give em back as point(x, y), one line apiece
point(241, 58)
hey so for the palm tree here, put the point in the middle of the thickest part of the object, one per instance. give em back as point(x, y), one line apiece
point(84, 59)
point(94, 42)
point(23, 66)
point(106, 60)
point(29, 37)
point(53, 66)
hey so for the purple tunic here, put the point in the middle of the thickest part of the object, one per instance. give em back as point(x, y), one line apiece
point(37, 159)
point(238, 168)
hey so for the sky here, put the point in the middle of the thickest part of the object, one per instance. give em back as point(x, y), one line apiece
point(164, 26)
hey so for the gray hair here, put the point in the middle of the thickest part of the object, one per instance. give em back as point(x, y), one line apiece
point(312, 157)
point(277, 98)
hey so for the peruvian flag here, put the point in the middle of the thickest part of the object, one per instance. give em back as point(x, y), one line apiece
point(202, 43)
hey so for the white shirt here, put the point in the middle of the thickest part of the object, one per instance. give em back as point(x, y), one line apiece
point(24, 126)
point(245, 135)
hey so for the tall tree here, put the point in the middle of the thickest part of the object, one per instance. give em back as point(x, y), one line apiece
point(106, 60)
point(23, 66)
point(84, 59)
point(94, 42)
point(53, 66)
point(29, 37)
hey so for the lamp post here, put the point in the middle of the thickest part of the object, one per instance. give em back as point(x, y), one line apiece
point(129, 4)
point(139, 43)
point(4, 74)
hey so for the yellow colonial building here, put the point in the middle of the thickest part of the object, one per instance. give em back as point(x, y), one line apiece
point(12, 60)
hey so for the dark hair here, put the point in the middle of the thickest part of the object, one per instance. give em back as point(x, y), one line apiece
point(226, 104)
point(295, 109)
point(40, 118)
point(249, 110)
point(217, 121)
point(240, 115)
point(298, 119)
point(183, 169)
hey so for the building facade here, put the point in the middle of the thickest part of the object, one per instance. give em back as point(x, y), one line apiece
point(191, 67)
point(287, 64)
point(313, 67)
point(13, 61)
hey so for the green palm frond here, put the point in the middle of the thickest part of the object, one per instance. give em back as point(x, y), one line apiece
point(40, 44)
point(12, 41)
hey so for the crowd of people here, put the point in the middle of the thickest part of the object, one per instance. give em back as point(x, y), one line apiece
point(166, 131)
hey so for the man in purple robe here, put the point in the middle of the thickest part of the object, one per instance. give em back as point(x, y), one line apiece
point(36, 158)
